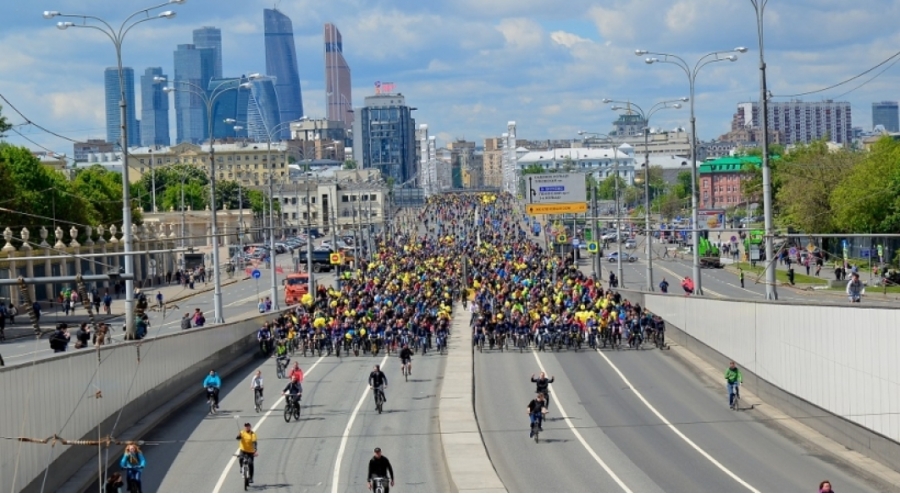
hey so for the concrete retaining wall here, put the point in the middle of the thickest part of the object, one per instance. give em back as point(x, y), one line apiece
point(834, 367)
point(69, 395)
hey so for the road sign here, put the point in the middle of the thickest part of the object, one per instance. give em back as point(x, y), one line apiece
point(256, 274)
point(865, 252)
point(754, 253)
point(561, 238)
point(593, 247)
point(335, 258)
point(557, 188)
point(575, 207)
point(733, 239)
point(792, 252)
point(588, 234)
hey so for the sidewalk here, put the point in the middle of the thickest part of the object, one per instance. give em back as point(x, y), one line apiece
point(55, 314)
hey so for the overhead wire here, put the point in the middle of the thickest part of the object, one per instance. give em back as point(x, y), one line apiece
point(828, 88)
point(30, 122)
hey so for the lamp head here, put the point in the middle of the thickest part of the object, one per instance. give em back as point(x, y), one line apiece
point(731, 58)
point(741, 49)
point(64, 25)
point(254, 76)
point(640, 52)
point(168, 89)
point(230, 121)
point(581, 132)
point(167, 14)
point(49, 14)
point(157, 78)
point(651, 60)
point(676, 106)
point(606, 100)
point(685, 99)
point(238, 127)
point(245, 85)
point(178, 2)
point(617, 108)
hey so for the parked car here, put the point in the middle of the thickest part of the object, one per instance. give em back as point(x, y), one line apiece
point(614, 257)
point(631, 243)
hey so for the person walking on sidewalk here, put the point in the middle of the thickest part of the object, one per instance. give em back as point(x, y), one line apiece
point(741, 276)
point(159, 299)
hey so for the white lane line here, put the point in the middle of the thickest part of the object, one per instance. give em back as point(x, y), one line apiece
point(675, 429)
point(259, 424)
point(578, 435)
point(346, 436)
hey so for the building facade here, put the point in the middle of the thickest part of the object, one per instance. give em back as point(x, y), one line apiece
point(154, 109)
point(463, 165)
point(113, 113)
point(81, 150)
point(232, 103)
point(211, 37)
point(281, 64)
point(885, 113)
point(319, 139)
point(492, 164)
point(338, 94)
point(384, 134)
point(264, 111)
point(194, 67)
point(721, 180)
point(800, 122)
point(243, 162)
point(335, 202)
point(601, 163)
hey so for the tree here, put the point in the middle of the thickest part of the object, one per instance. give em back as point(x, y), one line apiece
point(807, 178)
point(350, 164)
point(4, 124)
point(533, 169)
point(196, 197)
point(165, 177)
point(670, 205)
point(867, 200)
point(607, 188)
point(103, 190)
point(685, 180)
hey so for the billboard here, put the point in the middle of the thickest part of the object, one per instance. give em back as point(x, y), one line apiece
point(711, 219)
point(556, 188)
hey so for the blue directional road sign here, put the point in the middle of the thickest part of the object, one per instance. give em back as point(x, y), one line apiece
point(256, 274)
point(593, 247)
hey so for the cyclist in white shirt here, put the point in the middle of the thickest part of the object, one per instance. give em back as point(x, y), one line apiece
point(256, 382)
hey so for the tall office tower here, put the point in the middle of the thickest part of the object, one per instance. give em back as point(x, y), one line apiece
point(281, 63)
point(800, 122)
point(384, 137)
point(232, 103)
point(113, 95)
point(211, 37)
point(338, 98)
point(886, 114)
point(193, 70)
point(263, 110)
point(154, 109)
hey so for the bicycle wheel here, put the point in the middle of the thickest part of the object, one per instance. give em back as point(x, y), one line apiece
point(245, 473)
point(379, 402)
point(297, 411)
point(287, 413)
point(212, 406)
point(737, 399)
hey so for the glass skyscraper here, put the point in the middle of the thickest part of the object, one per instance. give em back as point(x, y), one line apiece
point(281, 63)
point(886, 114)
point(337, 79)
point(211, 37)
point(384, 137)
point(154, 109)
point(113, 94)
point(231, 104)
point(194, 68)
point(263, 110)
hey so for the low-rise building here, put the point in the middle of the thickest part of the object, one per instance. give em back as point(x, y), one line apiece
point(721, 180)
point(601, 163)
point(244, 162)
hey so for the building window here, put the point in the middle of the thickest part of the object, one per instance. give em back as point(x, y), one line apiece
point(142, 161)
point(345, 198)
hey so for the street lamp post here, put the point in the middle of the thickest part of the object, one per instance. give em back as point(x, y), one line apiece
point(771, 291)
point(209, 98)
point(645, 116)
point(619, 270)
point(691, 72)
point(117, 36)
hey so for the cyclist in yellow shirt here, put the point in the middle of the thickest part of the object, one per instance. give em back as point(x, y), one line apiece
point(248, 446)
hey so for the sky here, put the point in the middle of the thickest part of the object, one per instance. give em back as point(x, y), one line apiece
point(469, 66)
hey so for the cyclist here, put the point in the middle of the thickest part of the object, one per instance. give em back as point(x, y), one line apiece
point(536, 414)
point(256, 384)
point(133, 462)
point(281, 356)
point(406, 358)
point(380, 467)
point(212, 383)
point(248, 447)
point(378, 382)
point(293, 390)
point(264, 336)
point(297, 372)
point(543, 387)
point(733, 378)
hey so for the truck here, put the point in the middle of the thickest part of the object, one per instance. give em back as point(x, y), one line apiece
point(709, 254)
point(321, 260)
point(754, 240)
point(296, 285)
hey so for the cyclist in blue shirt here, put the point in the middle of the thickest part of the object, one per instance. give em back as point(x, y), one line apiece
point(213, 383)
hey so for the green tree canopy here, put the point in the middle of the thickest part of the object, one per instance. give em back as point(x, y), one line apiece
point(607, 189)
point(867, 199)
point(533, 169)
point(350, 164)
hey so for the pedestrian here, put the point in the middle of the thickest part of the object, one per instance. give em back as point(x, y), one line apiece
point(268, 304)
point(3, 314)
point(191, 281)
point(107, 302)
point(73, 301)
point(261, 306)
point(13, 312)
point(82, 336)
point(134, 463)
point(60, 339)
point(36, 307)
point(186, 321)
point(159, 299)
point(825, 486)
point(664, 286)
point(199, 319)
point(741, 276)
point(114, 483)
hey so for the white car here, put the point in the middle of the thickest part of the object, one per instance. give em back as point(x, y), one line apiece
point(614, 257)
point(631, 244)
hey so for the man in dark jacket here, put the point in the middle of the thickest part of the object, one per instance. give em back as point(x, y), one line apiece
point(60, 339)
point(380, 467)
point(186, 321)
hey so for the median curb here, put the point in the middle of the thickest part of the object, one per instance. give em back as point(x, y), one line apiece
point(468, 465)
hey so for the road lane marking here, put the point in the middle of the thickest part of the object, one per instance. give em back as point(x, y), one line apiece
point(673, 428)
point(346, 435)
point(259, 424)
point(578, 435)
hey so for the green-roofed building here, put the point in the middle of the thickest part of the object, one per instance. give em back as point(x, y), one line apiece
point(720, 181)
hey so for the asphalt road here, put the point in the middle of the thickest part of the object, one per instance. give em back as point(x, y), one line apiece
point(333, 440)
point(238, 299)
point(610, 439)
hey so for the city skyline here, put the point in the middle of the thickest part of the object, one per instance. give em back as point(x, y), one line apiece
point(281, 66)
point(338, 86)
point(112, 96)
point(471, 67)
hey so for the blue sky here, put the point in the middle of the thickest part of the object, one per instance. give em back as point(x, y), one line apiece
point(469, 66)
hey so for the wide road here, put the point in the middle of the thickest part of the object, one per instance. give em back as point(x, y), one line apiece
point(676, 435)
point(238, 299)
point(327, 450)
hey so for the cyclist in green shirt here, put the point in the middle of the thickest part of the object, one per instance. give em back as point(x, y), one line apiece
point(733, 378)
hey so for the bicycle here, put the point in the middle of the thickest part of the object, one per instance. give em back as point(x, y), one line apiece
point(736, 401)
point(406, 371)
point(378, 484)
point(536, 426)
point(292, 408)
point(244, 468)
point(211, 399)
point(379, 400)
point(258, 399)
point(280, 367)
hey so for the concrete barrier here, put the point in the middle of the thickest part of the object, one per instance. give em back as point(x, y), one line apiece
point(468, 465)
point(70, 396)
point(834, 368)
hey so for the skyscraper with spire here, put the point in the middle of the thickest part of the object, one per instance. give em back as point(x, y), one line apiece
point(281, 63)
point(338, 98)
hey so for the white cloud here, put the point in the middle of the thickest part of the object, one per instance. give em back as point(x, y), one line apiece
point(521, 34)
point(567, 39)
